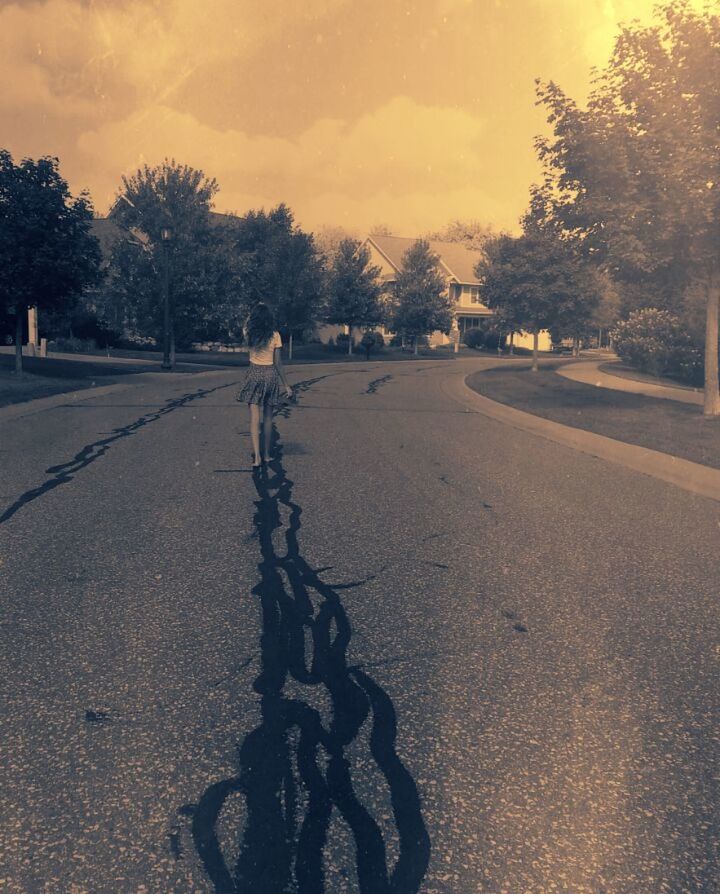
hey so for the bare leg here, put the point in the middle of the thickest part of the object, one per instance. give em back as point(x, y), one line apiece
point(267, 431)
point(255, 432)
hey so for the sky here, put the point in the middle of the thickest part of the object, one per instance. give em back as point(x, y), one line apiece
point(355, 113)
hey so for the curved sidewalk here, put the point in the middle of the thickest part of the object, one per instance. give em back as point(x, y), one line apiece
point(689, 476)
point(589, 373)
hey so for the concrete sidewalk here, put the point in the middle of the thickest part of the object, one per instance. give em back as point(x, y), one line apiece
point(588, 372)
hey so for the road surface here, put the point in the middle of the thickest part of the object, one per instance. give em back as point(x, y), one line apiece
point(423, 652)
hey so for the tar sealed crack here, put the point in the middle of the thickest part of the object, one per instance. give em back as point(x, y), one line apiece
point(296, 769)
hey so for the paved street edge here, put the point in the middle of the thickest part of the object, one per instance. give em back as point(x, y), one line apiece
point(689, 476)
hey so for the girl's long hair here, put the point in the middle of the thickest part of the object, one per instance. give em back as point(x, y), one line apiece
point(260, 326)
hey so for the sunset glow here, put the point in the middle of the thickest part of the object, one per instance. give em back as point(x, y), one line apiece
point(408, 114)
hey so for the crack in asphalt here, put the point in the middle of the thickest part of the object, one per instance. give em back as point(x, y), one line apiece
point(65, 472)
point(294, 769)
point(377, 383)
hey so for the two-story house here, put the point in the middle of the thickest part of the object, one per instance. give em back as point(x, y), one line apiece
point(457, 264)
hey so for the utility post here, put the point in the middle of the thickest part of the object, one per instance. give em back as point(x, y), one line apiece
point(165, 238)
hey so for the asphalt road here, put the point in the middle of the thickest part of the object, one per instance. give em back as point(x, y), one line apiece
point(423, 652)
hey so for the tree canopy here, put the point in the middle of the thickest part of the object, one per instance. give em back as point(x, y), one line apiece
point(353, 288)
point(536, 281)
point(635, 177)
point(279, 264)
point(422, 304)
point(47, 254)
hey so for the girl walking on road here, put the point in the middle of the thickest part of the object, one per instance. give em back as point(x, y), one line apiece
point(261, 390)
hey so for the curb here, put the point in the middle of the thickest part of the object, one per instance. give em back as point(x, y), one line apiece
point(691, 477)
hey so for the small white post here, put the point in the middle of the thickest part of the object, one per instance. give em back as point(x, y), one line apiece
point(33, 327)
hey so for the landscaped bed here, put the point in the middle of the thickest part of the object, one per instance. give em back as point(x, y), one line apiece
point(665, 425)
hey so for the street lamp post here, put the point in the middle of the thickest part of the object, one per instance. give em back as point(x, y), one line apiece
point(165, 237)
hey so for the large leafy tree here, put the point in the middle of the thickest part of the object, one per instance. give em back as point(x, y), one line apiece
point(279, 264)
point(179, 198)
point(636, 175)
point(353, 288)
point(422, 304)
point(47, 254)
point(535, 282)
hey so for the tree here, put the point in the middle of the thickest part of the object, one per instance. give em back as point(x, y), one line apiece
point(327, 241)
point(279, 264)
point(47, 254)
point(536, 282)
point(353, 288)
point(175, 197)
point(471, 233)
point(636, 176)
point(422, 303)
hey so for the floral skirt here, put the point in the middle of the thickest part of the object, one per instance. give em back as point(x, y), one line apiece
point(262, 386)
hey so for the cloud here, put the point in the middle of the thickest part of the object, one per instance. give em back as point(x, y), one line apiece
point(403, 160)
point(600, 22)
point(82, 58)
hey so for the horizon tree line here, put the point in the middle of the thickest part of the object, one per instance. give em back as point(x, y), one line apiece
point(626, 217)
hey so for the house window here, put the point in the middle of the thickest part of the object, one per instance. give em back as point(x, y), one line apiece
point(474, 295)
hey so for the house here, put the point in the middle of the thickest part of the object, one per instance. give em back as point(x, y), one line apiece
point(457, 263)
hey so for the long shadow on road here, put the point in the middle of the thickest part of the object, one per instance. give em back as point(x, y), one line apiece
point(294, 770)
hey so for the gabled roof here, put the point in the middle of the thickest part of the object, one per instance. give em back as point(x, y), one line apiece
point(106, 232)
point(459, 262)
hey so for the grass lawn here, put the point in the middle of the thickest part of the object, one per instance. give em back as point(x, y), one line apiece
point(668, 426)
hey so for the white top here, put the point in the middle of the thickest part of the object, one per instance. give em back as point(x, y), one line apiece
point(264, 355)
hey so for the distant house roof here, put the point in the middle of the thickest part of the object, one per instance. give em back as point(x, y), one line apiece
point(106, 232)
point(458, 261)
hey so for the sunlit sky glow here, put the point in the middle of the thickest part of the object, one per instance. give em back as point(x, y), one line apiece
point(354, 113)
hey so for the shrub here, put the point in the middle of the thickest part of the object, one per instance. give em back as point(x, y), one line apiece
point(492, 340)
point(473, 338)
point(342, 339)
point(72, 345)
point(655, 341)
point(374, 339)
point(396, 341)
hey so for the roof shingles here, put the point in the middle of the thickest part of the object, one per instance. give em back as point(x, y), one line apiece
point(458, 260)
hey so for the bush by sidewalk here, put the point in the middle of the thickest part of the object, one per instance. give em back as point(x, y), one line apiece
point(656, 342)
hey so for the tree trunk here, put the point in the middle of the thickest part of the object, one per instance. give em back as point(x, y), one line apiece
point(349, 340)
point(290, 347)
point(416, 346)
point(512, 343)
point(172, 346)
point(18, 340)
point(536, 338)
point(576, 346)
point(712, 391)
